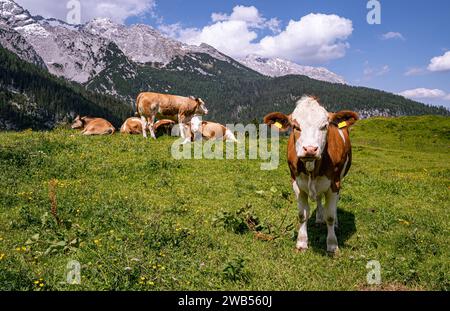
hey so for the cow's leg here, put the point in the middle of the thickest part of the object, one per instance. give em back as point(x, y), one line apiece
point(183, 130)
point(151, 123)
point(319, 210)
point(303, 215)
point(144, 126)
point(331, 200)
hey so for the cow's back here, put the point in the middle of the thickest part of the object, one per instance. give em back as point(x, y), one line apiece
point(98, 126)
point(150, 103)
point(213, 130)
point(132, 126)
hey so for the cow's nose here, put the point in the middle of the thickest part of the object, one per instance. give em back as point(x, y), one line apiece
point(310, 151)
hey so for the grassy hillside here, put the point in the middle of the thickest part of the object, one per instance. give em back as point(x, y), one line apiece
point(136, 219)
point(236, 94)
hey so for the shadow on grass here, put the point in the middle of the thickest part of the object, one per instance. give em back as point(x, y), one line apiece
point(317, 233)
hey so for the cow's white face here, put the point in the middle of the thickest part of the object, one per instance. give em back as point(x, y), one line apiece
point(77, 123)
point(201, 107)
point(196, 123)
point(311, 130)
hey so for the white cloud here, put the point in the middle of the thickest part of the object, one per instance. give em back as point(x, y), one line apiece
point(230, 37)
point(117, 10)
point(447, 97)
point(392, 35)
point(315, 38)
point(440, 63)
point(415, 71)
point(424, 93)
point(250, 15)
point(370, 72)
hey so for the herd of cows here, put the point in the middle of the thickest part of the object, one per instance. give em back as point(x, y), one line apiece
point(319, 151)
point(168, 109)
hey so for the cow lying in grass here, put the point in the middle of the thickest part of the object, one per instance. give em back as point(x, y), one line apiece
point(93, 126)
point(210, 130)
point(131, 126)
point(319, 156)
point(151, 105)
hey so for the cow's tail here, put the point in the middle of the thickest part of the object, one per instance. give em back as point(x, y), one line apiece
point(138, 99)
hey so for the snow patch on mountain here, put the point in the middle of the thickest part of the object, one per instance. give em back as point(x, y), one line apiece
point(277, 67)
point(67, 50)
point(13, 41)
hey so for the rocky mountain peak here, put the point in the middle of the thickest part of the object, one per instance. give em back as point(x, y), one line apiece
point(277, 67)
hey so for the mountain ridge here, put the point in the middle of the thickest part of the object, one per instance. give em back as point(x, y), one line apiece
point(97, 55)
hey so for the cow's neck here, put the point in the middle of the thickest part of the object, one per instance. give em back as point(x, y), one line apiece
point(311, 168)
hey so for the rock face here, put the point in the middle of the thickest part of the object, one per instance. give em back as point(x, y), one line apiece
point(67, 50)
point(144, 44)
point(277, 67)
point(13, 41)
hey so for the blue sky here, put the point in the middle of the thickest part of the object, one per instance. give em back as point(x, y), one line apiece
point(369, 60)
point(335, 34)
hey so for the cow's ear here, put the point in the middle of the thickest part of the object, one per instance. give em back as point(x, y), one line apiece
point(347, 116)
point(278, 120)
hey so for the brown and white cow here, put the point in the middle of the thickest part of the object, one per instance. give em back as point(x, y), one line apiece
point(163, 127)
point(150, 105)
point(93, 126)
point(131, 126)
point(210, 130)
point(319, 156)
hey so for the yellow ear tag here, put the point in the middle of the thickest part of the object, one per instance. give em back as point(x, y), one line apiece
point(342, 124)
point(278, 124)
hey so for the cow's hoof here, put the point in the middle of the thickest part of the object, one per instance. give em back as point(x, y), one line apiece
point(333, 250)
point(301, 245)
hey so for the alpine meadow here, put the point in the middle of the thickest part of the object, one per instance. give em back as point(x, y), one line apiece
point(138, 220)
point(347, 190)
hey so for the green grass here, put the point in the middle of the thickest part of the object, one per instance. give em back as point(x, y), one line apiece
point(136, 219)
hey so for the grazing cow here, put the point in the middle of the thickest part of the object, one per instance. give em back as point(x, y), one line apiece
point(93, 126)
point(163, 126)
point(151, 105)
point(211, 130)
point(319, 156)
point(132, 126)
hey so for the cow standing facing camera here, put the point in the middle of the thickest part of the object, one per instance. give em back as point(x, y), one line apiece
point(319, 156)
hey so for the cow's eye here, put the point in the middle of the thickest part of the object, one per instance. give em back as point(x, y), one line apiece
point(323, 128)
